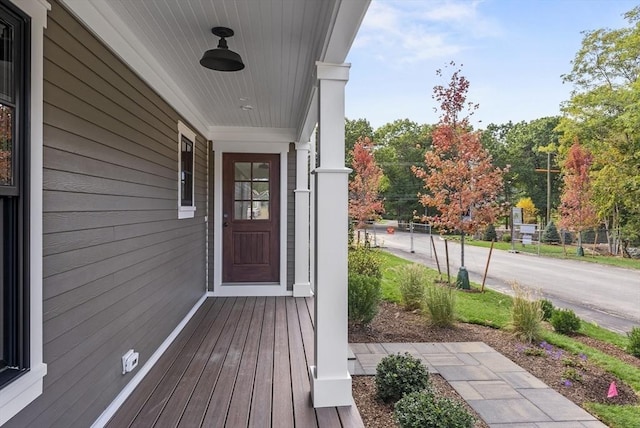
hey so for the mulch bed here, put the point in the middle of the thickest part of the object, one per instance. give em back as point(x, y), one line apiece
point(588, 383)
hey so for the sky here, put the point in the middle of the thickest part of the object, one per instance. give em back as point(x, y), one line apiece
point(513, 52)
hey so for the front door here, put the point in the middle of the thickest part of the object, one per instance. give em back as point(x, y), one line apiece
point(250, 218)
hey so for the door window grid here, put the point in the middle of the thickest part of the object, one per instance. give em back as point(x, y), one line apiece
point(251, 191)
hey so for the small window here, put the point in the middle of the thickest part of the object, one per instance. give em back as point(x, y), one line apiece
point(186, 171)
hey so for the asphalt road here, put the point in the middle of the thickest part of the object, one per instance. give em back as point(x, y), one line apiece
point(606, 295)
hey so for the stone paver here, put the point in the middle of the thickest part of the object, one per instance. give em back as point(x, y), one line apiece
point(501, 392)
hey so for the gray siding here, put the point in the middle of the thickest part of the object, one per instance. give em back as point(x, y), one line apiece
point(120, 270)
point(291, 215)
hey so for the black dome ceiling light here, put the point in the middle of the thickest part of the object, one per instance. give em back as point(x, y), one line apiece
point(221, 58)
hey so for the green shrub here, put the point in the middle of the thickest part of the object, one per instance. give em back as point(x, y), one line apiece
point(550, 234)
point(490, 233)
point(506, 237)
point(440, 301)
point(364, 297)
point(633, 347)
point(526, 315)
point(565, 321)
point(412, 279)
point(424, 410)
point(400, 374)
point(365, 261)
point(547, 309)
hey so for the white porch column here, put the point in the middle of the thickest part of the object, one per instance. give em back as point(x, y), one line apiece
point(330, 379)
point(302, 284)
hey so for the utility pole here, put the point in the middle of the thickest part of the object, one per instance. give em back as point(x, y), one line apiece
point(548, 150)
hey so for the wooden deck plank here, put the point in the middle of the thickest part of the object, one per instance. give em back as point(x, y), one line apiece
point(304, 414)
point(350, 417)
point(260, 414)
point(282, 407)
point(208, 377)
point(216, 413)
point(328, 417)
point(238, 415)
point(157, 375)
point(174, 394)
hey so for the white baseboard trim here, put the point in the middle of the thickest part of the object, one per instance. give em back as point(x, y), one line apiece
point(128, 389)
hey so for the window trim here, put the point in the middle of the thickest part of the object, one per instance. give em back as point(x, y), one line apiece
point(17, 395)
point(186, 211)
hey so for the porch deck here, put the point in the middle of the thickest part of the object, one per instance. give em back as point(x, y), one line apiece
point(239, 362)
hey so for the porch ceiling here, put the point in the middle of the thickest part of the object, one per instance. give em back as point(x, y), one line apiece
point(279, 41)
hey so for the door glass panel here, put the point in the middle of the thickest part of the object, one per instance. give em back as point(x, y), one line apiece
point(242, 191)
point(260, 171)
point(242, 171)
point(261, 210)
point(260, 191)
point(7, 69)
point(242, 210)
point(6, 145)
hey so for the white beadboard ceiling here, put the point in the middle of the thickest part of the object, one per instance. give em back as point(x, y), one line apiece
point(279, 42)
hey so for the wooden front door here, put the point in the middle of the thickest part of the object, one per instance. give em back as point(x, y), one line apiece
point(251, 217)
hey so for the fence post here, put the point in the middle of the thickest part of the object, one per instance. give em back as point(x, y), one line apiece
point(411, 234)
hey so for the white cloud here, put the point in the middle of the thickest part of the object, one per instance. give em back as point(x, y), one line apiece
point(401, 32)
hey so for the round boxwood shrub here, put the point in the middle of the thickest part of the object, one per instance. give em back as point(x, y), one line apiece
point(364, 297)
point(633, 347)
point(547, 309)
point(400, 374)
point(565, 321)
point(424, 410)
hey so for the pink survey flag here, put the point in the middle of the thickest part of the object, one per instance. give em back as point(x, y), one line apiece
point(613, 390)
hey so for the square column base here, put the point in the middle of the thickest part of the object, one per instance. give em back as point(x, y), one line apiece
point(331, 392)
point(302, 290)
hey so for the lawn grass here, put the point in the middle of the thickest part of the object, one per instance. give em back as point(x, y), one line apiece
point(492, 309)
point(616, 416)
point(557, 251)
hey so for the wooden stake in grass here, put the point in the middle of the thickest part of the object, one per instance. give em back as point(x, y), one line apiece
point(446, 253)
point(486, 269)
point(435, 253)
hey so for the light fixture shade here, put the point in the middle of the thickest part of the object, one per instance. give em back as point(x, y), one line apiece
point(221, 58)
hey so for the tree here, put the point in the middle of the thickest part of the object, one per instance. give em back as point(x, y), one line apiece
point(577, 212)
point(530, 212)
point(364, 204)
point(460, 179)
point(353, 131)
point(400, 145)
point(603, 113)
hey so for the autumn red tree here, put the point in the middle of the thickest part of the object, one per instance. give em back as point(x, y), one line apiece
point(577, 212)
point(461, 181)
point(364, 202)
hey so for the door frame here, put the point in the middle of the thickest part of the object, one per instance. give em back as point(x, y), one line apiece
point(221, 289)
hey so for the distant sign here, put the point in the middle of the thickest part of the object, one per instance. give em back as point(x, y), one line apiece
point(526, 239)
point(527, 229)
point(516, 216)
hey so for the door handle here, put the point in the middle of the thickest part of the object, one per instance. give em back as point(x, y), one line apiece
point(225, 224)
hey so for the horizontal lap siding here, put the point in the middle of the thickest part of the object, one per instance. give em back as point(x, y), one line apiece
point(120, 270)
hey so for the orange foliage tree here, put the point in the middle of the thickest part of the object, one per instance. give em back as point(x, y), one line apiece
point(364, 202)
point(577, 212)
point(460, 179)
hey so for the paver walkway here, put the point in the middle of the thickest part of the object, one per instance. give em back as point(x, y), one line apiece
point(503, 393)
